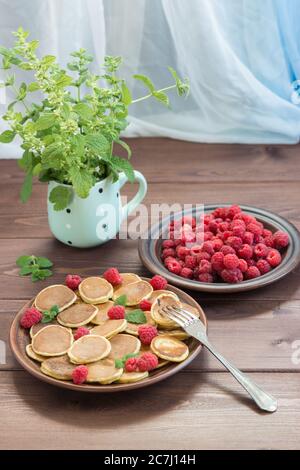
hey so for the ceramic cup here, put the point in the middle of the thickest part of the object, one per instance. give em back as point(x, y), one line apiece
point(96, 219)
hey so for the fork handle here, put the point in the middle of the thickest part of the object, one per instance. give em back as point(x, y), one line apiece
point(263, 400)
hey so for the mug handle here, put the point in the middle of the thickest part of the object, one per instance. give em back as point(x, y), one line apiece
point(137, 199)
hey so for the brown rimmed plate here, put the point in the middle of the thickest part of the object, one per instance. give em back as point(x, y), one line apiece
point(150, 249)
point(19, 338)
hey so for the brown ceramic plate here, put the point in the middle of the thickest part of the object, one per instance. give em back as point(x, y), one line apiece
point(150, 249)
point(19, 338)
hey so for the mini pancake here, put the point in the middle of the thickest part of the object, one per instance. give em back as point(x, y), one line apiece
point(178, 333)
point(53, 340)
point(123, 344)
point(130, 377)
point(190, 309)
point(135, 292)
point(127, 278)
point(169, 348)
point(103, 372)
point(95, 290)
point(58, 367)
point(58, 294)
point(110, 328)
point(37, 357)
point(157, 293)
point(162, 320)
point(132, 328)
point(101, 316)
point(77, 315)
point(145, 349)
point(89, 348)
point(39, 326)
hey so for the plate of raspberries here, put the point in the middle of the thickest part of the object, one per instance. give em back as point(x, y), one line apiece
point(226, 248)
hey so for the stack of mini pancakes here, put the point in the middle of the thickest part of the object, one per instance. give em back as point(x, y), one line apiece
point(53, 344)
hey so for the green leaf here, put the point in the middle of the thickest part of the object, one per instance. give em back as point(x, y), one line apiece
point(52, 157)
point(23, 260)
point(121, 164)
point(48, 60)
point(97, 142)
point(40, 274)
point(37, 169)
point(7, 136)
point(33, 86)
point(125, 146)
point(136, 316)
point(83, 111)
point(146, 81)
point(126, 95)
point(122, 300)
point(44, 262)
point(82, 181)
point(119, 363)
point(26, 161)
point(60, 196)
point(22, 91)
point(49, 315)
point(64, 81)
point(26, 187)
point(45, 121)
point(181, 85)
point(25, 270)
point(162, 97)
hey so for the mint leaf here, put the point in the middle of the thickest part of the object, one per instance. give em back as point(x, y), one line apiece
point(119, 363)
point(40, 274)
point(136, 316)
point(98, 143)
point(82, 181)
point(44, 262)
point(83, 111)
point(45, 121)
point(126, 95)
point(25, 270)
point(122, 300)
point(7, 136)
point(34, 86)
point(26, 189)
point(162, 97)
point(146, 81)
point(120, 164)
point(49, 315)
point(60, 197)
point(24, 260)
point(182, 86)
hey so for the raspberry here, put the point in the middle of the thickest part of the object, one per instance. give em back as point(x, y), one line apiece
point(168, 244)
point(190, 261)
point(246, 251)
point(112, 276)
point(263, 266)
point(223, 227)
point(159, 282)
point(81, 331)
point(234, 242)
point(187, 236)
point(72, 281)
point(187, 273)
point(220, 212)
point(205, 267)
point(145, 305)
point(195, 250)
point(261, 250)
point(217, 244)
point(266, 233)
point(182, 252)
point(147, 361)
point(252, 272)
point(248, 238)
point(217, 261)
point(281, 239)
point(80, 374)
point(254, 228)
point(251, 262)
point(174, 267)
point(30, 317)
point(232, 276)
point(117, 312)
point(147, 333)
point(238, 231)
point(206, 277)
point(269, 241)
point(227, 250)
point(189, 220)
point(213, 226)
point(226, 235)
point(208, 247)
point(237, 223)
point(167, 252)
point(131, 364)
point(203, 255)
point(233, 210)
point(274, 258)
point(231, 261)
point(243, 265)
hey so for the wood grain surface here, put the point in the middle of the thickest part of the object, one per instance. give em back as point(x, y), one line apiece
point(201, 407)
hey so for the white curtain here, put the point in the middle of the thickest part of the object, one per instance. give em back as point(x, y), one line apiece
point(241, 57)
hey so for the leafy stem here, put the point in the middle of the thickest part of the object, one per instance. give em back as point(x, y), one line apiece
point(142, 98)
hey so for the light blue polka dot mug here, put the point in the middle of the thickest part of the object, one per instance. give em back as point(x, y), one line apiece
point(95, 220)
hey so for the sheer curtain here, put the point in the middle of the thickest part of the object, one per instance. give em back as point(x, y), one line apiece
point(241, 57)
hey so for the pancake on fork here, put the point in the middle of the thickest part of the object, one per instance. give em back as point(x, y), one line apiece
point(162, 320)
point(53, 340)
point(169, 348)
point(135, 292)
point(89, 348)
point(95, 290)
point(103, 372)
point(58, 367)
point(110, 328)
point(78, 314)
point(58, 294)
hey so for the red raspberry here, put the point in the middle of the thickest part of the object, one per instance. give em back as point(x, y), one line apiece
point(187, 273)
point(190, 261)
point(274, 258)
point(167, 252)
point(248, 238)
point(203, 255)
point(182, 252)
point(112, 276)
point(232, 276)
point(81, 331)
point(187, 236)
point(269, 241)
point(220, 212)
point(261, 250)
point(205, 277)
point(247, 218)
point(158, 282)
point(251, 262)
point(227, 250)
point(252, 272)
point(147, 333)
point(80, 374)
point(145, 305)
point(263, 266)
point(207, 236)
point(243, 265)
point(169, 259)
point(30, 317)
point(238, 231)
point(234, 242)
point(195, 250)
point(168, 244)
point(131, 364)
point(231, 261)
point(117, 312)
point(173, 266)
point(189, 220)
point(177, 242)
point(233, 210)
point(217, 261)
point(246, 251)
point(226, 235)
point(181, 262)
point(205, 267)
point(213, 226)
point(254, 228)
point(72, 281)
point(237, 223)
point(147, 361)
point(217, 244)
point(266, 233)
point(208, 247)
point(223, 227)
point(281, 239)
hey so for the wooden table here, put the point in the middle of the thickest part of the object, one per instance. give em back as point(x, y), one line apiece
point(201, 407)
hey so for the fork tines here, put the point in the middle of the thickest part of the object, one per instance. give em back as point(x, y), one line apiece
point(179, 315)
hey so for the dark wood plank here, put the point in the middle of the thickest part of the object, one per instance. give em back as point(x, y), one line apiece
point(187, 411)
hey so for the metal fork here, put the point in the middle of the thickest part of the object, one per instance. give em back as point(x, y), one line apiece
point(194, 327)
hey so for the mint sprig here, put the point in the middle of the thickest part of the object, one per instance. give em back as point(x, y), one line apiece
point(36, 266)
point(122, 300)
point(120, 363)
point(49, 315)
point(136, 316)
